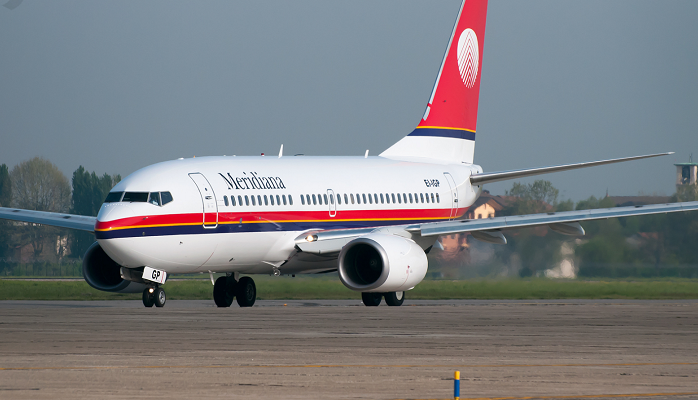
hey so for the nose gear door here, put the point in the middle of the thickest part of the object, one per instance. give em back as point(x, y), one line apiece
point(208, 198)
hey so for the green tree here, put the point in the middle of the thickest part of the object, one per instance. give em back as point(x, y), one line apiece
point(89, 192)
point(37, 184)
point(567, 205)
point(532, 198)
point(5, 187)
point(5, 201)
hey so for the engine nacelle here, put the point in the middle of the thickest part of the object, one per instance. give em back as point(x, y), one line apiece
point(382, 263)
point(103, 273)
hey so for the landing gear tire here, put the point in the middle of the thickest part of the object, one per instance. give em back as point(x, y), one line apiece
point(148, 298)
point(159, 297)
point(245, 292)
point(371, 299)
point(224, 291)
point(395, 299)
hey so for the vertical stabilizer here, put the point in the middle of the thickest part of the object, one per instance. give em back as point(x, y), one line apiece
point(446, 132)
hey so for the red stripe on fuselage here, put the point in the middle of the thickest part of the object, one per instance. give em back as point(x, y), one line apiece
point(278, 217)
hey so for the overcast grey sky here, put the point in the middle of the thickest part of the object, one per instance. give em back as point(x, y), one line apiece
point(118, 85)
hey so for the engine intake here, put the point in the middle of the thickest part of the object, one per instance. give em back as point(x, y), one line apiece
point(103, 273)
point(382, 263)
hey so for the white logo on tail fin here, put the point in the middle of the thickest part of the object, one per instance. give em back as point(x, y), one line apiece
point(468, 57)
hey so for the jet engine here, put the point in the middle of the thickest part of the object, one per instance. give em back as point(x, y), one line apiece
point(103, 273)
point(382, 263)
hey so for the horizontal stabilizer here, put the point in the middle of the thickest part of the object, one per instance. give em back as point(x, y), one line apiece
point(491, 177)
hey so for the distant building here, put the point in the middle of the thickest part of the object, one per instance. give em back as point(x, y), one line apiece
point(687, 173)
point(486, 206)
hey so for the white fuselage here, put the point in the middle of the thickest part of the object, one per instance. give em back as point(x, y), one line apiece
point(243, 214)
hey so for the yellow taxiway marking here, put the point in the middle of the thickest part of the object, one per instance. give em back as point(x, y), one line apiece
point(588, 396)
point(347, 366)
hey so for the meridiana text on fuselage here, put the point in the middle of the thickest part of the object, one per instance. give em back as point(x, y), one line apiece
point(252, 181)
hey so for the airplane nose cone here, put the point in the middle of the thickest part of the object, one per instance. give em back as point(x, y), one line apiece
point(113, 216)
point(111, 212)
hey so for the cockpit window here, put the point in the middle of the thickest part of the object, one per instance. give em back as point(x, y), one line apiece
point(136, 197)
point(114, 197)
point(167, 197)
point(154, 198)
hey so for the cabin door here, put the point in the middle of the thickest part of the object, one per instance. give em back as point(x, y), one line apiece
point(208, 199)
point(453, 195)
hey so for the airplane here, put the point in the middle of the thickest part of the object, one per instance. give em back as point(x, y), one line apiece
point(371, 219)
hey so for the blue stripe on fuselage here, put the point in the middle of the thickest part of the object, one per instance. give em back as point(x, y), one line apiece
point(245, 228)
point(451, 133)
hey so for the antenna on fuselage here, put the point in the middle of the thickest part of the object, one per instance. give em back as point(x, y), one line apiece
point(366, 155)
point(281, 151)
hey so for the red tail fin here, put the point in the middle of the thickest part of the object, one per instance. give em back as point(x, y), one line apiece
point(452, 109)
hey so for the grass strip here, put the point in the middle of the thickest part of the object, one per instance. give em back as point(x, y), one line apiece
point(269, 288)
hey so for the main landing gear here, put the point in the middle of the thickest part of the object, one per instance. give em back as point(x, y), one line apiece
point(154, 296)
point(391, 298)
point(227, 288)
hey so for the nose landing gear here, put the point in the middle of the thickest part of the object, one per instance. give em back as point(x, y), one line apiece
point(154, 296)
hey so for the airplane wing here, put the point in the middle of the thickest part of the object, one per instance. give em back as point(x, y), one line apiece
point(79, 222)
point(552, 219)
point(566, 222)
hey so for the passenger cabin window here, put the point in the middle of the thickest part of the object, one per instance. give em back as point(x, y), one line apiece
point(290, 200)
point(283, 197)
point(240, 200)
point(437, 198)
point(114, 197)
point(232, 200)
point(225, 200)
point(136, 197)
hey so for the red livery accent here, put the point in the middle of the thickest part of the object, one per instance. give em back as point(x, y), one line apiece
point(278, 217)
point(454, 100)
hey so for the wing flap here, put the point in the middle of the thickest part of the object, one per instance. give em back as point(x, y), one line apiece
point(71, 221)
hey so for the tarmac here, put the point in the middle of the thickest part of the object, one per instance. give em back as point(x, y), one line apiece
point(571, 349)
